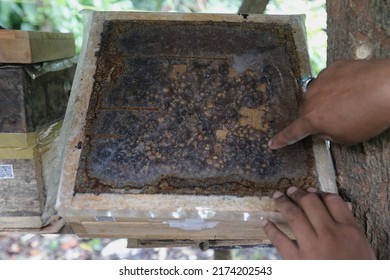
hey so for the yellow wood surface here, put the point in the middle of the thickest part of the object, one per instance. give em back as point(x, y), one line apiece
point(17, 46)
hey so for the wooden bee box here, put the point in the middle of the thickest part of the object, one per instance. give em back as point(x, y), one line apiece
point(31, 114)
point(166, 132)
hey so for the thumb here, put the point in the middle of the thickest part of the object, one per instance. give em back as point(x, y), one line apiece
point(291, 134)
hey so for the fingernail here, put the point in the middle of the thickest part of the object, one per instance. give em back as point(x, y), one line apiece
point(271, 145)
point(311, 189)
point(291, 190)
point(277, 194)
point(264, 222)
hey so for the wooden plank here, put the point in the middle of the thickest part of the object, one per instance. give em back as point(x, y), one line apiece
point(220, 227)
point(55, 225)
point(18, 46)
point(202, 244)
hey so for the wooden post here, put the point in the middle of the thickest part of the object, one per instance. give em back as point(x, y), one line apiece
point(253, 6)
point(361, 30)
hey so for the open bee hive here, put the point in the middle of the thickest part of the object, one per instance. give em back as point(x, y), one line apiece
point(167, 129)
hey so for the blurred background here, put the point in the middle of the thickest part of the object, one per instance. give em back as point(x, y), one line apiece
point(65, 16)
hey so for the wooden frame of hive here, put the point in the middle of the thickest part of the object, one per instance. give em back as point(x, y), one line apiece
point(165, 216)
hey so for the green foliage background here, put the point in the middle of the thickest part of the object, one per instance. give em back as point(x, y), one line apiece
point(65, 16)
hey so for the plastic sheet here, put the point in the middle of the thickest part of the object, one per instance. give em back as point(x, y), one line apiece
point(28, 145)
point(38, 69)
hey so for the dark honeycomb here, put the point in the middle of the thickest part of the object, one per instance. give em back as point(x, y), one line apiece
point(188, 108)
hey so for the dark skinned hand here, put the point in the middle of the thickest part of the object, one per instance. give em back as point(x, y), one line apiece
point(348, 103)
point(323, 225)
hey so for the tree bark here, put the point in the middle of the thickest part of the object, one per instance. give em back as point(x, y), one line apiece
point(361, 30)
point(253, 6)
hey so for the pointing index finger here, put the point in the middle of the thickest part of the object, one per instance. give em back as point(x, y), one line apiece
point(291, 134)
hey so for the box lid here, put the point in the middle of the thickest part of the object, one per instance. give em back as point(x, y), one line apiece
point(19, 46)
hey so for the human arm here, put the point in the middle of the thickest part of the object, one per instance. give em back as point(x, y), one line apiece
point(348, 103)
point(323, 225)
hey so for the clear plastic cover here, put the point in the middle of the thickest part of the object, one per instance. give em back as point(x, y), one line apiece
point(189, 108)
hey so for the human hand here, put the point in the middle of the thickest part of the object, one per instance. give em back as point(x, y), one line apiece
point(323, 225)
point(348, 103)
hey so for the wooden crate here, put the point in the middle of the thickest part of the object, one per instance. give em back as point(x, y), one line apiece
point(31, 114)
point(165, 137)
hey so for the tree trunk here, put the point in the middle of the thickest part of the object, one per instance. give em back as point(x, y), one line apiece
point(253, 6)
point(361, 30)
